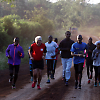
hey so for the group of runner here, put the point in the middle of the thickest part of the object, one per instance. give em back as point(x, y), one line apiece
point(69, 50)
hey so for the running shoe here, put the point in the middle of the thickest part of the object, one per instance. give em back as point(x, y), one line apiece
point(52, 76)
point(10, 80)
point(33, 84)
point(76, 83)
point(48, 81)
point(95, 84)
point(31, 79)
point(79, 86)
point(88, 81)
point(13, 86)
point(38, 87)
point(66, 83)
point(99, 83)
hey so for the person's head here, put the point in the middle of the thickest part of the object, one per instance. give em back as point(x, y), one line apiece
point(90, 40)
point(38, 40)
point(68, 34)
point(98, 45)
point(50, 38)
point(79, 39)
point(55, 40)
point(16, 41)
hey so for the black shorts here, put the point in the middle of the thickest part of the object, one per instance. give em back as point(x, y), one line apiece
point(38, 64)
point(78, 67)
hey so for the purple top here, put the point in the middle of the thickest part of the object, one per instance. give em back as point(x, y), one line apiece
point(12, 51)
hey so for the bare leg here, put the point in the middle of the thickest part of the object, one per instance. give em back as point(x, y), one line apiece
point(35, 74)
point(39, 76)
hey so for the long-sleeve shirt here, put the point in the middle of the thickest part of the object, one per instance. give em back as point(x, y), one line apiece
point(65, 46)
point(90, 47)
point(12, 51)
point(96, 59)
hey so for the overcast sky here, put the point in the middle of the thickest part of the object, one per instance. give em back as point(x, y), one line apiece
point(90, 1)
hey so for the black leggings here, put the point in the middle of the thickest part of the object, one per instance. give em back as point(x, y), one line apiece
point(31, 70)
point(89, 64)
point(50, 66)
point(78, 71)
point(97, 72)
point(11, 68)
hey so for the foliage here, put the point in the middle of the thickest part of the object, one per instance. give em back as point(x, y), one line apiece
point(29, 18)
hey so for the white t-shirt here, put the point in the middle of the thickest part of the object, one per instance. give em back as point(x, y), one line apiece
point(51, 47)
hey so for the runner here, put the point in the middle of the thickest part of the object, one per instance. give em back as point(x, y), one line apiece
point(36, 53)
point(96, 62)
point(14, 52)
point(30, 66)
point(50, 60)
point(64, 47)
point(89, 61)
point(77, 50)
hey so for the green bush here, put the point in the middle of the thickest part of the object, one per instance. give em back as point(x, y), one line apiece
point(5, 39)
point(12, 26)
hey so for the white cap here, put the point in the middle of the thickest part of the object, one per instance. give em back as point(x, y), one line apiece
point(97, 42)
point(38, 38)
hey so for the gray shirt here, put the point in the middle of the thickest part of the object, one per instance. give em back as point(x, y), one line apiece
point(96, 59)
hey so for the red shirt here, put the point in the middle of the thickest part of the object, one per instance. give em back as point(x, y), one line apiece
point(37, 51)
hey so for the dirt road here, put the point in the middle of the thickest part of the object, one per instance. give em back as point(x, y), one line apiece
point(56, 90)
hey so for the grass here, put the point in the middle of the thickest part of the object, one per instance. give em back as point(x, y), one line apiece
point(3, 61)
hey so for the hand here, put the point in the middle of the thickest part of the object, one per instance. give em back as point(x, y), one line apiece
point(52, 56)
point(9, 56)
point(42, 56)
point(31, 58)
point(97, 54)
point(80, 55)
point(19, 52)
point(90, 51)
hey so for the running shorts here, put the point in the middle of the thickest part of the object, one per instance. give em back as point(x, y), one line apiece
point(38, 64)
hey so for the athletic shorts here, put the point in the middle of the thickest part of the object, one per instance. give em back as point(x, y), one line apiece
point(78, 67)
point(38, 64)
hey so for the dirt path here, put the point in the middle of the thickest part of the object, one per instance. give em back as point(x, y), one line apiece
point(88, 91)
point(27, 92)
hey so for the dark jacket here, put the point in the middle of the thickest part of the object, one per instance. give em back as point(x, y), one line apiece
point(65, 46)
point(90, 47)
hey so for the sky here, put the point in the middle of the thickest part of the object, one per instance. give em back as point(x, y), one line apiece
point(90, 1)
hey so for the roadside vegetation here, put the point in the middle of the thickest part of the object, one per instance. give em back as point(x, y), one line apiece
point(28, 18)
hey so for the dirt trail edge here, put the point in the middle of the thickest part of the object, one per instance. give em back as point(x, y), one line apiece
point(28, 92)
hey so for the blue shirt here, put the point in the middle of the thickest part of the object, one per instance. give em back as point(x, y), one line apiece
point(78, 49)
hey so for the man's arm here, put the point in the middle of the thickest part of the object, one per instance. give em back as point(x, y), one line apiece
point(30, 50)
point(7, 52)
point(21, 53)
point(78, 55)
